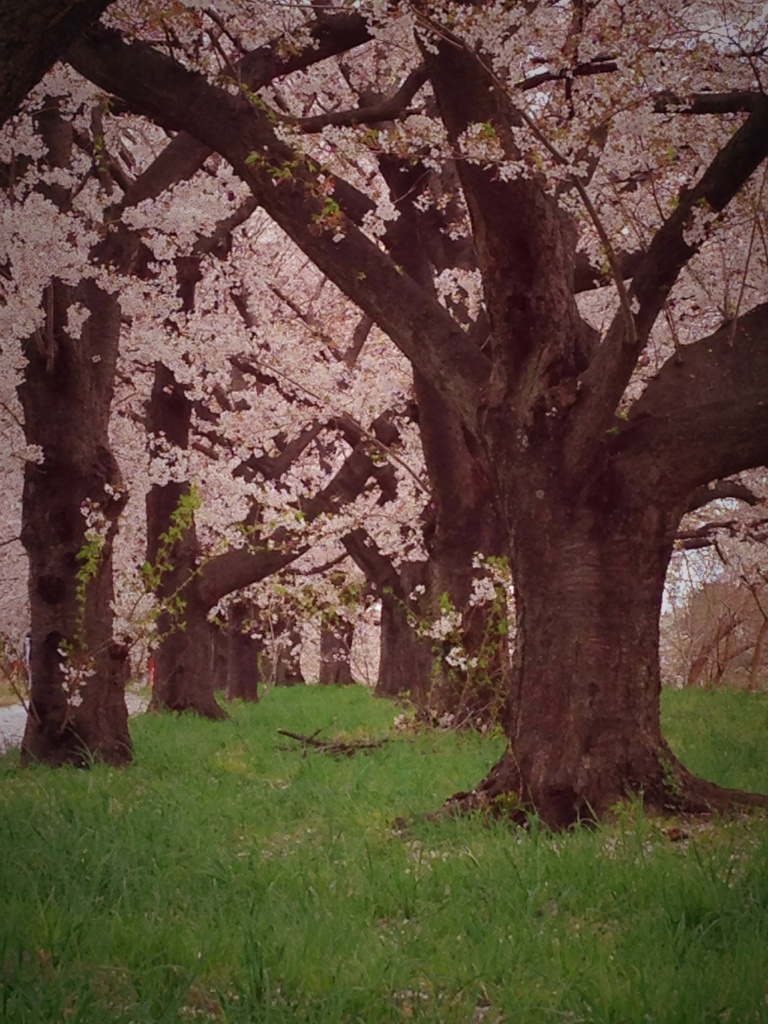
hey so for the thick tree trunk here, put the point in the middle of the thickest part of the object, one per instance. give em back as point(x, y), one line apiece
point(78, 671)
point(184, 679)
point(335, 651)
point(583, 717)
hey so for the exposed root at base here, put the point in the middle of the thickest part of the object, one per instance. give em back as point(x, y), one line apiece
point(676, 791)
point(689, 794)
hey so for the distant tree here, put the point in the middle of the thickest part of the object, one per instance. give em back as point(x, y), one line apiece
point(65, 311)
point(335, 651)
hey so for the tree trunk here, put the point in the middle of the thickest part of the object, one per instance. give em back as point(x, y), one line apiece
point(335, 649)
point(583, 717)
point(244, 651)
point(78, 671)
point(184, 679)
point(286, 666)
point(218, 658)
point(407, 658)
point(756, 661)
point(458, 672)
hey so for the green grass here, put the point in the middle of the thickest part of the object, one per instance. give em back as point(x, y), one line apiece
point(222, 878)
point(723, 734)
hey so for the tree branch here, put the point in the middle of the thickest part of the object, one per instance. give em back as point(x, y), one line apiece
point(185, 154)
point(239, 568)
point(739, 101)
point(378, 569)
point(300, 198)
point(387, 109)
point(603, 383)
point(721, 489)
point(32, 37)
point(704, 416)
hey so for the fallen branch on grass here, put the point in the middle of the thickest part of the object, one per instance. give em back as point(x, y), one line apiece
point(335, 747)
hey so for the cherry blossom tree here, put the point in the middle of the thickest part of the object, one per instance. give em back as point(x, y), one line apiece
point(632, 138)
point(73, 491)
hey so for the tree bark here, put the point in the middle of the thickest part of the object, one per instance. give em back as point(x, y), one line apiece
point(33, 35)
point(285, 659)
point(244, 656)
point(336, 637)
point(184, 680)
point(78, 671)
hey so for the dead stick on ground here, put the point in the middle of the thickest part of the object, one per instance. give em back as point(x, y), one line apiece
point(332, 746)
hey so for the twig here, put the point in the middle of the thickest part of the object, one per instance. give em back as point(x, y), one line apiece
point(335, 747)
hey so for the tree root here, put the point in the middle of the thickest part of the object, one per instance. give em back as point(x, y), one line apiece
point(691, 795)
point(675, 790)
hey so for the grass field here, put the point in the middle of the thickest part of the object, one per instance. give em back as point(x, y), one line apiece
point(224, 878)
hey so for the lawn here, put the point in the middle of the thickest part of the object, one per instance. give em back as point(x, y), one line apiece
point(231, 876)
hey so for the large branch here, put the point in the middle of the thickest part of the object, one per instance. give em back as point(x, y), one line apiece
point(378, 569)
point(706, 536)
point(524, 244)
point(606, 378)
point(717, 491)
point(704, 417)
point(739, 101)
point(272, 467)
point(299, 197)
point(326, 36)
point(33, 35)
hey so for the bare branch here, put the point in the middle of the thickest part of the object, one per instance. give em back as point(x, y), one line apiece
point(388, 109)
point(739, 101)
point(596, 67)
point(721, 489)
